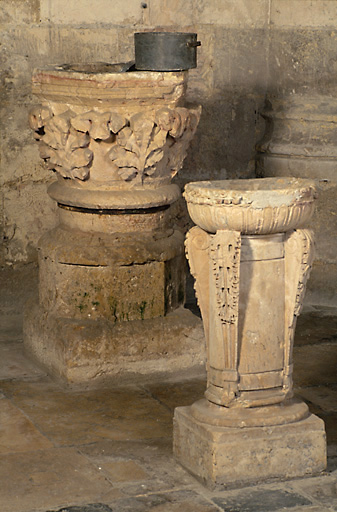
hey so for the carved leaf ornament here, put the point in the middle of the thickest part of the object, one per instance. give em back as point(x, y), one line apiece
point(138, 148)
point(137, 144)
point(63, 148)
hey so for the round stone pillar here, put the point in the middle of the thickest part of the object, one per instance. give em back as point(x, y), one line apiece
point(112, 273)
point(300, 141)
point(251, 258)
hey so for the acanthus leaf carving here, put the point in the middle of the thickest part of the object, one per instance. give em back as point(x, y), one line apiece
point(63, 148)
point(138, 148)
point(181, 133)
point(197, 251)
point(146, 145)
point(224, 278)
point(299, 256)
point(99, 125)
point(37, 118)
point(225, 256)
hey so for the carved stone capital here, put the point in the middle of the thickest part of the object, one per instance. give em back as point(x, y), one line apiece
point(106, 146)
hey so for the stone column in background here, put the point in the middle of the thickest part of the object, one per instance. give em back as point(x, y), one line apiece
point(301, 141)
point(251, 260)
point(112, 273)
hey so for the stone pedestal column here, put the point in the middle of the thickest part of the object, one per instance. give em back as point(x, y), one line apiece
point(112, 273)
point(251, 260)
point(300, 141)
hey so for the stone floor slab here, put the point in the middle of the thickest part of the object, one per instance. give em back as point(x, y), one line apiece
point(94, 507)
point(115, 449)
point(159, 470)
point(123, 470)
point(319, 508)
point(48, 479)
point(264, 500)
point(17, 432)
point(322, 396)
point(177, 394)
point(141, 450)
point(15, 364)
point(179, 501)
point(322, 490)
point(75, 418)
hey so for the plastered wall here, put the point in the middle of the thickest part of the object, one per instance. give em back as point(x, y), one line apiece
point(250, 48)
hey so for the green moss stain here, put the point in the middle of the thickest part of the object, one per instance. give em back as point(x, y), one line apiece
point(82, 307)
point(113, 308)
point(142, 308)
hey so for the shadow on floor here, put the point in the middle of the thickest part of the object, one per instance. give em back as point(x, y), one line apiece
point(111, 449)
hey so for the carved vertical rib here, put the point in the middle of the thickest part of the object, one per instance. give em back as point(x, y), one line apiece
point(225, 256)
point(224, 308)
point(197, 248)
point(299, 255)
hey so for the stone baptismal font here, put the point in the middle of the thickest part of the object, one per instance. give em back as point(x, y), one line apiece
point(251, 258)
point(112, 272)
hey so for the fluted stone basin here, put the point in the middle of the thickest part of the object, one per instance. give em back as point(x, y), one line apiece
point(253, 207)
point(251, 259)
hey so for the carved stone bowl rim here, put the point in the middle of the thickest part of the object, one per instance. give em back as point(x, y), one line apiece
point(259, 193)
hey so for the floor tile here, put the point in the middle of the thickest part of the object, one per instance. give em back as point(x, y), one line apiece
point(111, 450)
point(321, 396)
point(181, 501)
point(163, 481)
point(178, 394)
point(70, 418)
point(123, 471)
point(15, 364)
point(321, 489)
point(48, 479)
point(142, 450)
point(160, 469)
point(17, 433)
point(264, 500)
point(94, 507)
point(319, 508)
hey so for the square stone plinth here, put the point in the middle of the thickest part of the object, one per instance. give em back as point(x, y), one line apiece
point(222, 456)
point(92, 352)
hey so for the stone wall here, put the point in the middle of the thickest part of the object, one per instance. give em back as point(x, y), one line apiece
point(249, 48)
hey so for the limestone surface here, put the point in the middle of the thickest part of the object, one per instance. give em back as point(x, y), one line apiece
point(115, 263)
point(299, 140)
point(251, 260)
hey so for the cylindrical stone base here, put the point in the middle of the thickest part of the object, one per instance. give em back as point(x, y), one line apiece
point(111, 298)
point(300, 141)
